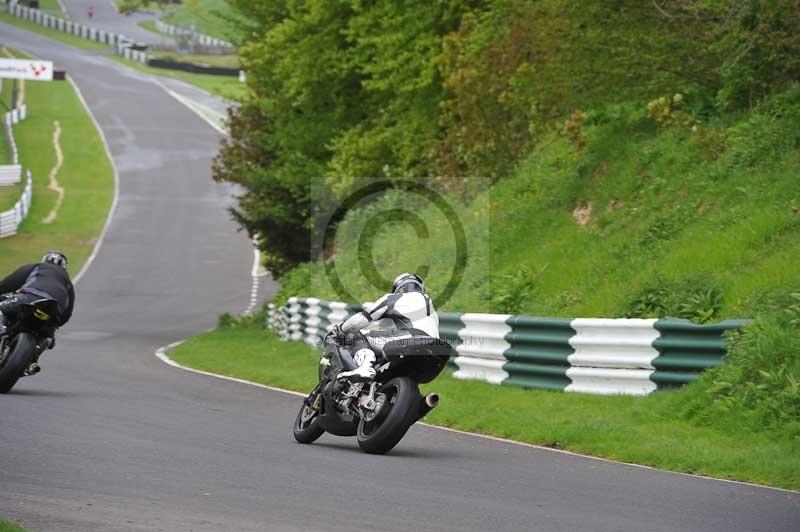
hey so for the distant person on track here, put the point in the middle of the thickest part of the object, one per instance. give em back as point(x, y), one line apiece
point(411, 310)
point(90, 11)
point(44, 280)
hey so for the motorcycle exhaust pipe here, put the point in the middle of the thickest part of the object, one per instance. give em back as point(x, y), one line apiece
point(427, 404)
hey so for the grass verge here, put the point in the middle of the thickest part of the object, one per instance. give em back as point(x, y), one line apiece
point(226, 60)
point(642, 430)
point(150, 25)
point(6, 526)
point(208, 16)
point(51, 6)
point(51, 33)
point(86, 175)
point(224, 86)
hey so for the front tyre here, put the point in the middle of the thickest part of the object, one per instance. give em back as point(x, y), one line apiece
point(396, 415)
point(306, 425)
point(15, 357)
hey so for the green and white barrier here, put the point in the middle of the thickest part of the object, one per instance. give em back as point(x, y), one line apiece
point(587, 355)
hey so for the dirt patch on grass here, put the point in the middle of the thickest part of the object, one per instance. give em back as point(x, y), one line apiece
point(54, 186)
point(582, 213)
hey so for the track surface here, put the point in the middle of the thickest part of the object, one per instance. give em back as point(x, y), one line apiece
point(108, 438)
point(107, 17)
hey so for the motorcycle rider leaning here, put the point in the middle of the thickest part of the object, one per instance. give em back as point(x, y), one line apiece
point(412, 312)
point(44, 280)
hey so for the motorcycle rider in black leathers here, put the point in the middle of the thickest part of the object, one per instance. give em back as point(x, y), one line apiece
point(414, 317)
point(44, 280)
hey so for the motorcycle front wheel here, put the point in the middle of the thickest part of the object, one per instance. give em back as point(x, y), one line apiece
point(15, 357)
point(380, 434)
point(306, 425)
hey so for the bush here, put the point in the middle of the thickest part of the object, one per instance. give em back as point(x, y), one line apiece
point(697, 298)
point(758, 385)
point(255, 320)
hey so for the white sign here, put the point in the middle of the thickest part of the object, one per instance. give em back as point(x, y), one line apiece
point(26, 69)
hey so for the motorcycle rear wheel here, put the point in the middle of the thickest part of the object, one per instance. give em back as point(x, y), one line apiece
point(381, 434)
point(307, 427)
point(15, 359)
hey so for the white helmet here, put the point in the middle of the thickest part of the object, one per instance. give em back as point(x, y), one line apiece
point(55, 257)
point(408, 282)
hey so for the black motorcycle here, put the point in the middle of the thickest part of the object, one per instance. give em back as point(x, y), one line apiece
point(380, 412)
point(24, 341)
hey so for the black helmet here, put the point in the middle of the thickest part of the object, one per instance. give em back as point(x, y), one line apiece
point(408, 282)
point(55, 257)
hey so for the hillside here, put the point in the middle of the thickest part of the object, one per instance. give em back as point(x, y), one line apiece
point(643, 220)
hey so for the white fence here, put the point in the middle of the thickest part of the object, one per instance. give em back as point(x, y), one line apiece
point(119, 43)
point(204, 40)
point(11, 174)
point(11, 219)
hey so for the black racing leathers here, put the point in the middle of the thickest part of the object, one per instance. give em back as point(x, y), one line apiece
point(44, 280)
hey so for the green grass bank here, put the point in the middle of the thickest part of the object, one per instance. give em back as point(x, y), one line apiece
point(86, 175)
point(642, 430)
point(5, 526)
point(207, 16)
point(641, 220)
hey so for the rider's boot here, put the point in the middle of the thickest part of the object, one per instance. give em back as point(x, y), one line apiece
point(365, 358)
point(33, 369)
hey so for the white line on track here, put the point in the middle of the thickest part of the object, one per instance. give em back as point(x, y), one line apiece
point(161, 353)
point(114, 203)
point(210, 116)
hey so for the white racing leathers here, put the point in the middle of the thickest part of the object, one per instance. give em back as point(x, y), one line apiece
point(413, 315)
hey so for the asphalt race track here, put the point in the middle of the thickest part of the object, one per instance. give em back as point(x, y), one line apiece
point(108, 438)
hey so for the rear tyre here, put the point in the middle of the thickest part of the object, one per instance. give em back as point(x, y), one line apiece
point(16, 355)
point(387, 428)
point(307, 428)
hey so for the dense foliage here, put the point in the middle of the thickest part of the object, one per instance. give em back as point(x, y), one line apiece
point(342, 91)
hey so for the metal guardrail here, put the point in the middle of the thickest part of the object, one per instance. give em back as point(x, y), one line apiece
point(587, 355)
